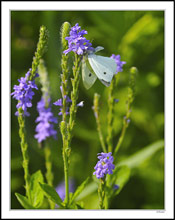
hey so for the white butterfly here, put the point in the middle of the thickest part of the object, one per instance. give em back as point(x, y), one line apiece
point(94, 66)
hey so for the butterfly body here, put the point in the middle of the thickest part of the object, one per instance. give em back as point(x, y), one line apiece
point(94, 66)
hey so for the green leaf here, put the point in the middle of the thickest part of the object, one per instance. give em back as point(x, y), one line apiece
point(36, 193)
point(120, 177)
point(51, 194)
point(79, 189)
point(89, 189)
point(24, 201)
point(136, 159)
point(79, 205)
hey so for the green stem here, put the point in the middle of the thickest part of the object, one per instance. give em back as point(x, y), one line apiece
point(24, 149)
point(110, 115)
point(101, 193)
point(49, 174)
point(74, 96)
point(97, 117)
point(73, 110)
point(41, 48)
point(130, 99)
point(66, 176)
point(121, 137)
point(125, 125)
point(64, 66)
point(64, 78)
point(67, 128)
point(63, 125)
point(65, 154)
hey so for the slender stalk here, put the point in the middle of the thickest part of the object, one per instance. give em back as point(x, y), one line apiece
point(97, 117)
point(74, 96)
point(49, 174)
point(110, 115)
point(41, 47)
point(64, 78)
point(125, 125)
point(24, 149)
point(130, 99)
point(66, 129)
point(65, 154)
point(64, 66)
point(63, 125)
point(101, 194)
point(66, 176)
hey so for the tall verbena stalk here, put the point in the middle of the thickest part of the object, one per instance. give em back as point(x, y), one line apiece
point(24, 149)
point(66, 126)
point(104, 197)
point(41, 48)
point(130, 99)
point(47, 148)
point(97, 117)
point(110, 115)
point(63, 126)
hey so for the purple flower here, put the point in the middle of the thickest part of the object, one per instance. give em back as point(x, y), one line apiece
point(116, 100)
point(77, 42)
point(104, 165)
point(59, 103)
point(128, 120)
point(118, 62)
point(23, 93)
point(116, 187)
point(45, 128)
point(60, 189)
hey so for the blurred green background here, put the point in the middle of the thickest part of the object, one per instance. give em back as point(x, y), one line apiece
point(138, 36)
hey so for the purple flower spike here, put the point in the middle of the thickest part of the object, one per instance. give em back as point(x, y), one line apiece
point(45, 128)
point(104, 165)
point(23, 93)
point(118, 62)
point(77, 42)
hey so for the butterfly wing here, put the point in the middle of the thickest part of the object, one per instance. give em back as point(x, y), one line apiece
point(88, 76)
point(104, 67)
point(98, 49)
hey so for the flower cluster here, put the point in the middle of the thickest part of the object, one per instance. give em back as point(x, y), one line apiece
point(104, 165)
point(60, 189)
point(23, 93)
point(77, 42)
point(45, 128)
point(118, 62)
